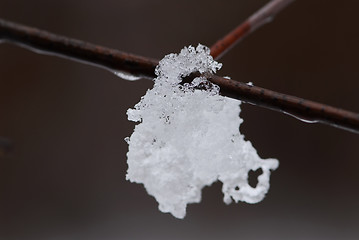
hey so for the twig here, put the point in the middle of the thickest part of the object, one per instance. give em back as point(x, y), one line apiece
point(259, 18)
point(52, 44)
point(44, 42)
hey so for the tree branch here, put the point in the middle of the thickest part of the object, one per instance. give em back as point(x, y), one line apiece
point(114, 60)
point(44, 42)
point(259, 18)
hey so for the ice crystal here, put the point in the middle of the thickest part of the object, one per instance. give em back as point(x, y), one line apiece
point(188, 137)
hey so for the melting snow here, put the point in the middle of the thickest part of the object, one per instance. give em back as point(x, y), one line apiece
point(188, 137)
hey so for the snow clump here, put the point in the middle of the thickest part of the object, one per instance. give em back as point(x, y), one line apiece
point(188, 137)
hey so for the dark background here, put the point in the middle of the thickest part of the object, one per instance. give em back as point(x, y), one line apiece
point(65, 178)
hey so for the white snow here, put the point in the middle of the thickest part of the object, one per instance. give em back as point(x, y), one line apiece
point(188, 137)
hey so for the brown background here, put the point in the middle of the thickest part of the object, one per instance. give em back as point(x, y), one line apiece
point(66, 176)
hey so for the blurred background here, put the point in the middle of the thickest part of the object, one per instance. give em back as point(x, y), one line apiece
point(65, 175)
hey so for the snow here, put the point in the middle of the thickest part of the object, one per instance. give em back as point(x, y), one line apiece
point(188, 137)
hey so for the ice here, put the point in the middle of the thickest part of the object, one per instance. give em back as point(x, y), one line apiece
point(188, 137)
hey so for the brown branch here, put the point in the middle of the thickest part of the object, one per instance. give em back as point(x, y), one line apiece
point(44, 42)
point(259, 18)
point(115, 60)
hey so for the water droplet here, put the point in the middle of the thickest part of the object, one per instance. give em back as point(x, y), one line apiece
point(303, 119)
point(126, 76)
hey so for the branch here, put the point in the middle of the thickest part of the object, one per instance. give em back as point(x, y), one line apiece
point(114, 60)
point(44, 42)
point(259, 18)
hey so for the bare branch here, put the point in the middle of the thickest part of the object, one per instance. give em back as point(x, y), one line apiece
point(259, 18)
point(44, 42)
